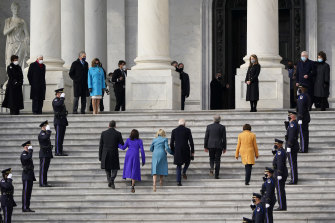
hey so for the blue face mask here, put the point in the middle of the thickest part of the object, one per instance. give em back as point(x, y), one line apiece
point(320, 60)
point(83, 59)
point(253, 61)
point(303, 59)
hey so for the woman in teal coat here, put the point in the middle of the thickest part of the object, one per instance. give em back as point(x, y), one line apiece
point(96, 84)
point(159, 166)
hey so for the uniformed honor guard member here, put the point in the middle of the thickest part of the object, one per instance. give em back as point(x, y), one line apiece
point(28, 175)
point(303, 104)
point(7, 191)
point(280, 170)
point(45, 154)
point(258, 213)
point(292, 145)
point(60, 121)
point(268, 194)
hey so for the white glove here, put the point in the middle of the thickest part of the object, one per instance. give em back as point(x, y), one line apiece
point(279, 177)
point(288, 150)
point(267, 205)
point(30, 147)
point(47, 128)
point(300, 122)
point(10, 176)
point(62, 95)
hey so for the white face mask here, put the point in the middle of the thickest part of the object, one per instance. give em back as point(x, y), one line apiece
point(16, 62)
point(124, 67)
point(40, 61)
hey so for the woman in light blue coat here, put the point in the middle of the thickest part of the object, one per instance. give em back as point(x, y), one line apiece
point(159, 166)
point(96, 84)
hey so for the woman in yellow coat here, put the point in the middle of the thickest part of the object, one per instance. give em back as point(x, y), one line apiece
point(248, 149)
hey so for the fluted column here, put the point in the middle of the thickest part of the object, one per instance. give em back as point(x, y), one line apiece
point(73, 30)
point(153, 35)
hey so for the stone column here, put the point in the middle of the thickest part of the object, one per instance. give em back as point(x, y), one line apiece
point(45, 29)
point(152, 83)
point(263, 40)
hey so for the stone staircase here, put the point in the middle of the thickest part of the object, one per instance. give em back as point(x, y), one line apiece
point(80, 192)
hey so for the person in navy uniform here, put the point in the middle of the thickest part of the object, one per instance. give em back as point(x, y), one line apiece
point(45, 154)
point(60, 121)
point(303, 104)
point(280, 176)
point(268, 194)
point(7, 191)
point(28, 175)
point(258, 211)
point(292, 145)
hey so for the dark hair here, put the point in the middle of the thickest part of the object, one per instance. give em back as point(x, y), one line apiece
point(112, 124)
point(174, 62)
point(13, 57)
point(323, 55)
point(134, 134)
point(256, 58)
point(180, 64)
point(121, 62)
point(247, 127)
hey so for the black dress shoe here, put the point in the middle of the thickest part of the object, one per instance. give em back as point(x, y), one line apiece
point(184, 176)
point(75, 112)
point(47, 185)
point(179, 184)
point(291, 183)
point(217, 177)
point(57, 154)
point(83, 113)
point(29, 210)
point(247, 184)
point(112, 185)
point(279, 209)
point(63, 154)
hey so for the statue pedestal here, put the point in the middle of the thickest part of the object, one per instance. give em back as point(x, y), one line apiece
point(274, 86)
point(153, 89)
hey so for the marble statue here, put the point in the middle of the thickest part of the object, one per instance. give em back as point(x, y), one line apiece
point(17, 42)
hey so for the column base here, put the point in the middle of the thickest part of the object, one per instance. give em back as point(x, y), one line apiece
point(153, 89)
point(273, 89)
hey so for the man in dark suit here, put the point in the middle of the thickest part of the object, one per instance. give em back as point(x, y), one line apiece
point(109, 153)
point(215, 144)
point(119, 82)
point(181, 143)
point(185, 84)
point(36, 77)
point(28, 175)
point(45, 154)
point(78, 73)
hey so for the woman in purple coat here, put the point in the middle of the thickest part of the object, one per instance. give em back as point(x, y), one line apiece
point(132, 168)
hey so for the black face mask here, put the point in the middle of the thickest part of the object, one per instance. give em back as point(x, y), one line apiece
point(181, 69)
point(252, 206)
point(290, 66)
point(253, 200)
point(289, 118)
point(220, 78)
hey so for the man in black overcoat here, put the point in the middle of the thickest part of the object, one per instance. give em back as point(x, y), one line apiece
point(78, 73)
point(36, 77)
point(218, 87)
point(183, 148)
point(109, 153)
point(45, 154)
point(119, 82)
point(185, 84)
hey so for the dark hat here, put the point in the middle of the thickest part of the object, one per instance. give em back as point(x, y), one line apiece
point(303, 85)
point(256, 195)
point(28, 143)
point(279, 141)
point(7, 171)
point(292, 112)
point(44, 123)
point(60, 90)
point(268, 169)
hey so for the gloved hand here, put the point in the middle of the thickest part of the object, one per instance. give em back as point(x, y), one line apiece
point(10, 176)
point(267, 205)
point(47, 128)
point(90, 90)
point(30, 147)
point(300, 122)
point(279, 177)
point(288, 150)
point(103, 91)
point(62, 95)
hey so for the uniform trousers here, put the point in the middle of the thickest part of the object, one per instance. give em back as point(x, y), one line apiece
point(26, 193)
point(59, 138)
point(7, 213)
point(304, 136)
point(44, 167)
point(293, 160)
point(281, 193)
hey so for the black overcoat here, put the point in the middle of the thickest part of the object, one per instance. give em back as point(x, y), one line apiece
point(36, 77)
point(217, 91)
point(182, 145)
point(119, 86)
point(14, 97)
point(322, 78)
point(252, 88)
point(108, 149)
point(78, 73)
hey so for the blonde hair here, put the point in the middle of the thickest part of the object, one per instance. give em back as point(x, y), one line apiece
point(161, 132)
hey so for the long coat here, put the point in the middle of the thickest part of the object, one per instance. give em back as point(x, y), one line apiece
point(108, 149)
point(322, 78)
point(78, 73)
point(181, 143)
point(252, 88)
point(96, 80)
point(305, 68)
point(217, 91)
point(159, 147)
point(185, 84)
point(247, 147)
point(14, 97)
point(36, 77)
